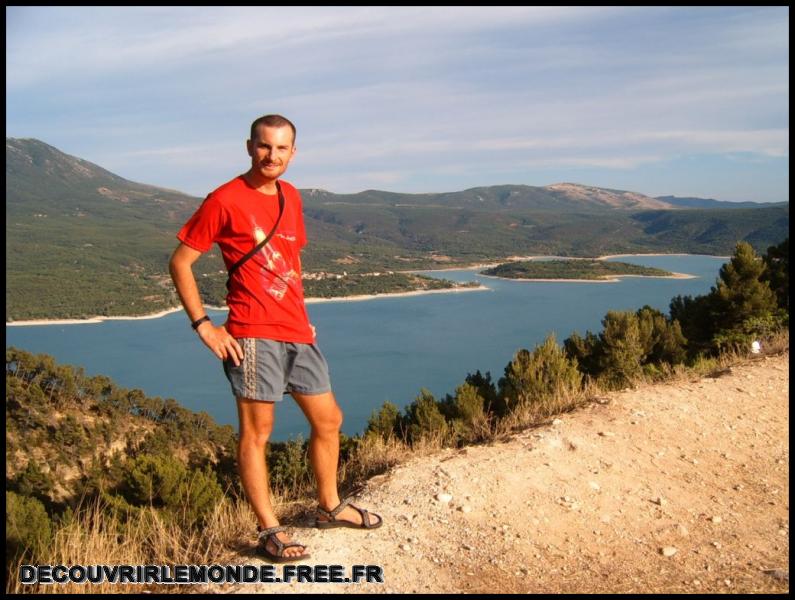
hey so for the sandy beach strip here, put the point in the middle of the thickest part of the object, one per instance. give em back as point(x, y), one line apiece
point(606, 256)
point(156, 315)
point(400, 294)
point(163, 313)
point(396, 295)
point(610, 278)
point(555, 256)
point(98, 319)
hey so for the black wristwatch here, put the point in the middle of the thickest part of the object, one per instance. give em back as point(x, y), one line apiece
point(198, 322)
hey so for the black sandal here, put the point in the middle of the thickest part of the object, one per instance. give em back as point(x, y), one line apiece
point(266, 535)
point(333, 522)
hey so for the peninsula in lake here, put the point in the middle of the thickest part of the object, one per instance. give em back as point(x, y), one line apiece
point(84, 242)
point(573, 270)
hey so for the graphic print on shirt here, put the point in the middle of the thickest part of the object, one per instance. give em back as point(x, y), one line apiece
point(276, 273)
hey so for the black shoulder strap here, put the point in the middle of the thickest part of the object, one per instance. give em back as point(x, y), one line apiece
point(257, 248)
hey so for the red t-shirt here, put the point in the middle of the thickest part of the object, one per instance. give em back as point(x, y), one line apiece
point(266, 296)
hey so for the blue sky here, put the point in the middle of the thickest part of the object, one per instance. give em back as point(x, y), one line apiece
point(669, 100)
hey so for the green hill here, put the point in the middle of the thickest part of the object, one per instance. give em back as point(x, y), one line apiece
point(571, 269)
point(81, 241)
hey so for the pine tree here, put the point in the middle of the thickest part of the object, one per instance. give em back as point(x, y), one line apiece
point(622, 348)
point(740, 293)
point(777, 272)
point(424, 418)
point(540, 377)
point(469, 420)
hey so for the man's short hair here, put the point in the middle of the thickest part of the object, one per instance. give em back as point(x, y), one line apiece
point(271, 121)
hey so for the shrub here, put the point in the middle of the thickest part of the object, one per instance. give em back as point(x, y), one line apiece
point(28, 527)
point(164, 482)
point(469, 422)
point(587, 352)
point(423, 418)
point(486, 388)
point(288, 466)
point(776, 273)
point(661, 339)
point(754, 328)
point(540, 377)
point(622, 349)
point(197, 496)
point(741, 293)
point(384, 423)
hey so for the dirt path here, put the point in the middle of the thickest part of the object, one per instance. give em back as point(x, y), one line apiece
point(681, 487)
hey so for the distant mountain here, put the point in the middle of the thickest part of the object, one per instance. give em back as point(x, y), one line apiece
point(41, 176)
point(82, 241)
point(606, 198)
point(560, 197)
point(710, 203)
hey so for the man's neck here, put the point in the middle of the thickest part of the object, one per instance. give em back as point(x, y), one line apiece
point(262, 184)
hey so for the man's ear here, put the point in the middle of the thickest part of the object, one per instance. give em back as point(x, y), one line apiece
point(249, 148)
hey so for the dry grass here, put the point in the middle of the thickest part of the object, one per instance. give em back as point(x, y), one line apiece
point(94, 536)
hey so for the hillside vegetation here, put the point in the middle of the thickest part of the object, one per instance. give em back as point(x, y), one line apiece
point(103, 242)
point(571, 269)
point(72, 440)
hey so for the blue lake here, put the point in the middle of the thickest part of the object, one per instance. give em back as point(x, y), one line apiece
point(378, 350)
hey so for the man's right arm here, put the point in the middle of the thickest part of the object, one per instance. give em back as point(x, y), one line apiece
point(216, 339)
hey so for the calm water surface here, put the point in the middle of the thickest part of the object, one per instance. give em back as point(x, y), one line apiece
point(378, 350)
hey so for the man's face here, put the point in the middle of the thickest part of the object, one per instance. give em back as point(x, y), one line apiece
point(271, 151)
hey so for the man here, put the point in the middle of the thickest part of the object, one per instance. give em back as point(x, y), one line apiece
point(267, 343)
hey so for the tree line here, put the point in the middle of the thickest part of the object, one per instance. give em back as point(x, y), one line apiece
point(132, 452)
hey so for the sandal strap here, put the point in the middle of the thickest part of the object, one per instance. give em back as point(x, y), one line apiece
point(270, 535)
point(332, 514)
point(292, 544)
point(364, 514)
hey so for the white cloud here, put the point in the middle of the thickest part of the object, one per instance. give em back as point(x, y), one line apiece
point(603, 162)
point(382, 93)
point(90, 41)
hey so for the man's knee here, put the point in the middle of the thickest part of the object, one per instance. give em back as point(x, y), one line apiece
point(256, 436)
point(256, 422)
point(331, 422)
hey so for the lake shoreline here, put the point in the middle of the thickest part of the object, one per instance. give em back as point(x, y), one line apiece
point(100, 319)
point(396, 294)
point(612, 278)
point(163, 313)
point(517, 258)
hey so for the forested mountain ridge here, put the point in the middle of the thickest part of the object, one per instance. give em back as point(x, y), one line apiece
point(103, 242)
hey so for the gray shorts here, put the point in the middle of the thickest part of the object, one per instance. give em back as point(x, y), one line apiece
point(270, 369)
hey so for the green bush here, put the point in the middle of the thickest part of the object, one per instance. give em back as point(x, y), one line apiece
point(661, 339)
point(540, 377)
point(164, 482)
point(622, 349)
point(28, 527)
point(288, 465)
point(32, 481)
point(469, 417)
point(741, 292)
point(587, 352)
point(776, 273)
point(486, 388)
point(740, 305)
point(752, 329)
point(154, 479)
point(198, 494)
point(424, 419)
point(384, 423)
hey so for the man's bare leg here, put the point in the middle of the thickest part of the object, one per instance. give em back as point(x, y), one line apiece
point(325, 418)
point(256, 424)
